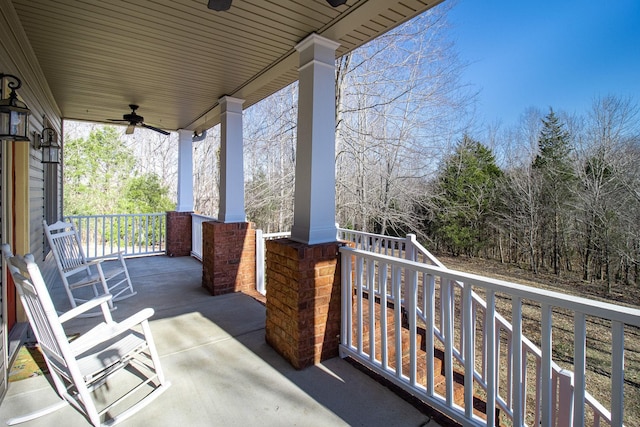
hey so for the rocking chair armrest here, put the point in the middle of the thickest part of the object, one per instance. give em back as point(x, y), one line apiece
point(84, 266)
point(106, 331)
point(92, 303)
point(131, 321)
point(114, 255)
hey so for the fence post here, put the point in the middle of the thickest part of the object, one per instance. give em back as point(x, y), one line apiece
point(260, 262)
point(410, 247)
point(565, 399)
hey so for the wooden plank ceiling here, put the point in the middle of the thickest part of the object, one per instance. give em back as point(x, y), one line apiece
point(176, 58)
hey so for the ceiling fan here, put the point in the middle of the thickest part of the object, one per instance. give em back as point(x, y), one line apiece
point(219, 5)
point(134, 120)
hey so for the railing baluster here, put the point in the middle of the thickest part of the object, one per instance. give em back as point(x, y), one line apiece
point(516, 354)
point(111, 234)
point(382, 278)
point(87, 233)
point(523, 382)
point(554, 397)
point(430, 296)
point(469, 349)
point(102, 223)
point(564, 414)
point(396, 273)
point(547, 355)
point(579, 366)
point(617, 372)
point(448, 340)
point(346, 301)
point(492, 357)
point(538, 393)
point(371, 283)
point(359, 274)
point(411, 293)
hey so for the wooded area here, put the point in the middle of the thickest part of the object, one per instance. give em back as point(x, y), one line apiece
point(557, 192)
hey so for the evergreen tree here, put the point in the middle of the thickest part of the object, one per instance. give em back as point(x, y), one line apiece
point(554, 166)
point(466, 199)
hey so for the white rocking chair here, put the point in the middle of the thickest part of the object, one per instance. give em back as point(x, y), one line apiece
point(81, 366)
point(77, 272)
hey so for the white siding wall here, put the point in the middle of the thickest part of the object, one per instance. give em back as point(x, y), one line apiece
point(17, 58)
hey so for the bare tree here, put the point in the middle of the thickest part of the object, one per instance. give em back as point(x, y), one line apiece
point(270, 141)
point(206, 172)
point(607, 204)
point(399, 105)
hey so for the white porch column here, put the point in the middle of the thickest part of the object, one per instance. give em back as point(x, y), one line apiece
point(185, 171)
point(231, 161)
point(315, 194)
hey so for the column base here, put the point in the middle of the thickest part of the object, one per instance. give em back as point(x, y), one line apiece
point(303, 300)
point(178, 233)
point(228, 257)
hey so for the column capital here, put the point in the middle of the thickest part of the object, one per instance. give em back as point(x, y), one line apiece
point(229, 103)
point(314, 39)
point(183, 134)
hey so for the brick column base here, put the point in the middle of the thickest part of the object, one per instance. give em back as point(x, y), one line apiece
point(303, 300)
point(178, 233)
point(228, 257)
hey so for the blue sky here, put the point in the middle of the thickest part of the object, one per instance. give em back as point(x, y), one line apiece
point(547, 53)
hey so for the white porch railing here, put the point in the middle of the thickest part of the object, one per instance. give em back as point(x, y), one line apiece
point(196, 234)
point(261, 238)
point(517, 377)
point(133, 234)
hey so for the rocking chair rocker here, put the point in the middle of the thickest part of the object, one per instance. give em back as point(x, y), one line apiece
point(81, 366)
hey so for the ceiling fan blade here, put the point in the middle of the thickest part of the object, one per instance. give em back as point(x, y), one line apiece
point(156, 129)
point(219, 5)
point(117, 120)
point(336, 3)
point(130, 129)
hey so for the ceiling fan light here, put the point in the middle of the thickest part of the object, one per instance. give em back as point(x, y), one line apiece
point(219, 5)
point(336, 3)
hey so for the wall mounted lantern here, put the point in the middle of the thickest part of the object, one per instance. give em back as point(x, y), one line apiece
point(14, 114)
point(48, 143)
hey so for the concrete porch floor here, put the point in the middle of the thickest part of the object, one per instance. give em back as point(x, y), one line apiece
point(223, 373)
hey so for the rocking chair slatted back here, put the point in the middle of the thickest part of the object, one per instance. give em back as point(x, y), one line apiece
point(70, 249)
point(39, 308)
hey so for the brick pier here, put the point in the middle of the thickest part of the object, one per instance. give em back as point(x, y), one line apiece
point(303, 300)
point(228, 257)
point(178, 233)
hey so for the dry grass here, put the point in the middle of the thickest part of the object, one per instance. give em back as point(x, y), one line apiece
point(598, 331)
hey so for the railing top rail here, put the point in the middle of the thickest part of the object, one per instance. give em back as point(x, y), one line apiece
point(605, 310)
point(115, 215)
point(364, 233)
point(424, 251)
